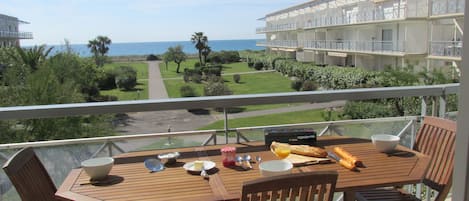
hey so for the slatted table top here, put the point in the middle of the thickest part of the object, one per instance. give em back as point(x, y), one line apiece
point(132, 181)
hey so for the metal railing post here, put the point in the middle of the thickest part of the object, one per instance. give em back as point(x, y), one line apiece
point(442, 112)
point(226, 124)
point(424, 106)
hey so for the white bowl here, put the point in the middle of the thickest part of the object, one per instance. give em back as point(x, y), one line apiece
point(385, 142)
point(98, 168)
point(275, 167)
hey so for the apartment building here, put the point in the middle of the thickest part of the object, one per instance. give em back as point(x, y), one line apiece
point(369, 33)
point(9, 31)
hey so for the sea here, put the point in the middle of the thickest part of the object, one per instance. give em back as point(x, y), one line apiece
point(146, 48)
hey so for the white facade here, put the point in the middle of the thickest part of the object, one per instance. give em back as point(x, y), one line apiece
point(369, 33)
point(9, 31)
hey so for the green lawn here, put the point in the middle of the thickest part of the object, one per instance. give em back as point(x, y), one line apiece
point(270, 82)
point(170, 72)
point(141, 90)
point(273, 119)
point(238, 67)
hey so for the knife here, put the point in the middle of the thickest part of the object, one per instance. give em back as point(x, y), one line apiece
point(342, 162)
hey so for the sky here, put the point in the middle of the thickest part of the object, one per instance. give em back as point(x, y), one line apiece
point(78, 21)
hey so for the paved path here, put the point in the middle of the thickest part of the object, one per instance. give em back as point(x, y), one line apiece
point(283, 110)
point(240, 73)
point(156, 88)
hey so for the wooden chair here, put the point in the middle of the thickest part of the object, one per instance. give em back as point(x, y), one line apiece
point(299, 186)
point(436, 139)
point(29, 176)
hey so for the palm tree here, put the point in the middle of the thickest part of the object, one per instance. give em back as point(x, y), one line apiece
point(103, 44)
point(31, 57)
point(200, 42)
point(99, 47)
point(205, 52)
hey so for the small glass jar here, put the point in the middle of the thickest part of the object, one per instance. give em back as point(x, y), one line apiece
point(228, 156)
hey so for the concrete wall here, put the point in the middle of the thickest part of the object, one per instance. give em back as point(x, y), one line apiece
point(414, 37)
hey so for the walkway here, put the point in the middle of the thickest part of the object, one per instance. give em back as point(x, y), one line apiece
point(156, 88)
point(240, 73)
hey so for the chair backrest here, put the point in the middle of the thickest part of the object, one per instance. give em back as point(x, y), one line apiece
point(436, 139)
point(318, 185)
point(29, 176)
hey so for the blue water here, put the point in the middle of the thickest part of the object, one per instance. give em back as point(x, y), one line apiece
point(123, 49)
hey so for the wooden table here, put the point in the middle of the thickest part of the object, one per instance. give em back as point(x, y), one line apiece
point(132, 181)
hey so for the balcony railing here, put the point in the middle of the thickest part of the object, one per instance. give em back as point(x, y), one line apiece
point(367, 14)
point(16, 35)
point(278, 43)
point(361, 46)
point(446, 48)
point(445, 7)
point(62, 155)
point(276, 28)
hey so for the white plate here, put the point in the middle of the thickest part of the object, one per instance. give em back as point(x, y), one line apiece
point(190, 166)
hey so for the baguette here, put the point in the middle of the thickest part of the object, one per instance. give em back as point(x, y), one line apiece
point(347, 156)
point(303, 150)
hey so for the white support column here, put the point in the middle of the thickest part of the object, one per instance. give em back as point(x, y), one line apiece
point(461, 166)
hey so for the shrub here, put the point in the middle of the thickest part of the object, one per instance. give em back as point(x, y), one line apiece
point(258, 65)
point(214, 78)
point(296, 84)
point(152, 57)
point(250, 64)
point(224, 57)
point(366, 110)
point(236, 78)
point(197, 64)
point(212, 70)
point(187, 91)
point(186, 78)
point(309, 85)
point(197, 78)
point(107, 80)
point(126, 77)
point(216, 89)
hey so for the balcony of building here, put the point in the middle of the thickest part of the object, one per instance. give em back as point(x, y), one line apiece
point(61, 156)
point(447, 8)
point(16, 35)
point(278, 43)
point(446, 50)
point(276, 28)
point(369, 47)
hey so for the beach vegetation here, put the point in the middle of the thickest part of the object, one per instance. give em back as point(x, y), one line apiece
point(99, 47)
point(201, 42)
point(50, 83)
point(31, 57)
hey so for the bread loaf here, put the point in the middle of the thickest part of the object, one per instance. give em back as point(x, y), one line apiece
point(303, 150)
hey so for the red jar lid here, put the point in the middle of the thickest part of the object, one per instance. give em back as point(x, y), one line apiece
point(228, 149)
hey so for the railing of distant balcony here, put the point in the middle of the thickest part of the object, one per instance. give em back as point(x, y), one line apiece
point(60, 156)
point(19, 35)
point(277, 27)
point(351, 45)
point(444, 7)
point(363, 15)
point(279, 43)
point(446, 48)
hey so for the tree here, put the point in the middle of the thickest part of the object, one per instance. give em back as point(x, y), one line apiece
point(200, 42)
point(99, 47)
point(31, 57)
point(167, 58)
point(205, 52)
point(177, 55)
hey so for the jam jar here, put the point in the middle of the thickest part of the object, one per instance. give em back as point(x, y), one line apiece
point(228, 156)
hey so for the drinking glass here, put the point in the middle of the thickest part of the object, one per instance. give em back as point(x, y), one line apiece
point(282, 151)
